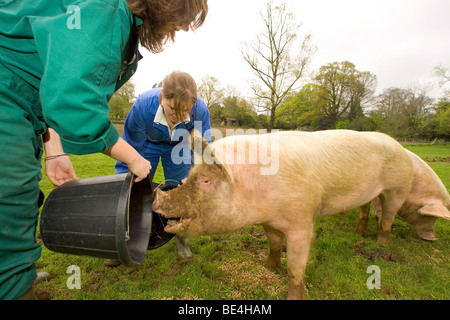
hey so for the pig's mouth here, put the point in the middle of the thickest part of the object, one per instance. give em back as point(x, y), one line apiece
point(176, 225)
point(173, 224)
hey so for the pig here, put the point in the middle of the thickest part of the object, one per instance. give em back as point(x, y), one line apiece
point(427, 201)
point(316, 174)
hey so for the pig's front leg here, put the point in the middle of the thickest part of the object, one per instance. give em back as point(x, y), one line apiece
point(298, 246)
point(391, 201)
point(363, 219)
point(275, 238)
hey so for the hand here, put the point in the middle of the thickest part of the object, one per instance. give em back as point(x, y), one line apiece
point(141, 169)
point(137, 164)
point(60, 170)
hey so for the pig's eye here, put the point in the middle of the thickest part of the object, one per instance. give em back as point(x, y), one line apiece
point(205, 180)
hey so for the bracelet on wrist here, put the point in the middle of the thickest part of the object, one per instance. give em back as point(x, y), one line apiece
point(56, 156)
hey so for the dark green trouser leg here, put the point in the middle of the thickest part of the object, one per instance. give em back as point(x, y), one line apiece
point(20, 154)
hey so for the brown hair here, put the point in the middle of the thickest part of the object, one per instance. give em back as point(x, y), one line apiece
point(180, 87)
point(158, 15)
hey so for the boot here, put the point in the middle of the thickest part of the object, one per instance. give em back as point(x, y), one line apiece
point(184, 252)
point(111, 263)
point(29, 295)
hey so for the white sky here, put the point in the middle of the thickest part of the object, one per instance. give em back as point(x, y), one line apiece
point(400, 41)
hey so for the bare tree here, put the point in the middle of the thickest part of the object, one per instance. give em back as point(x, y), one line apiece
point(277, 57)
point(404, 112)
point(442, 73)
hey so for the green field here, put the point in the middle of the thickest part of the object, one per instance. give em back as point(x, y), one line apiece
point(231, 266)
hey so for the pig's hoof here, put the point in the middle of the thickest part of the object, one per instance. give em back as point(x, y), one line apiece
point(428, 237)
point(384, 237)
point(296, 293)
point(272, 264)
point(361, 227)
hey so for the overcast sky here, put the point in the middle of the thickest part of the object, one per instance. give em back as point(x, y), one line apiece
point(400, 41)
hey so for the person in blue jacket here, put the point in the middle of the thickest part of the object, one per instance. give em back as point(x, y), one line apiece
point(158, 127)
point(160, 122)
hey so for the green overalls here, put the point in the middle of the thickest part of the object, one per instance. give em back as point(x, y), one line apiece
point(60, 63)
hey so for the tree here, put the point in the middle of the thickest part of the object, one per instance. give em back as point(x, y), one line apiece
point(277, 57)
point(343, 91)
point(442, 118)
point(443, 76)
point(210, 91)
point(442, 73)
point(122, 101)
point(240, 109)
point(404, 113)
point(299, 110)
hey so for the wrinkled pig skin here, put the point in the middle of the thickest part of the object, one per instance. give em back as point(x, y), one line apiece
point(320, 173)
point(427, 201)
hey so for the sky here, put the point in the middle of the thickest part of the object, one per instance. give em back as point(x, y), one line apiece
point(400, 41)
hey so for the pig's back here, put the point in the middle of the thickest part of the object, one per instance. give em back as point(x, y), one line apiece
point(320, 155)
point(339, 151)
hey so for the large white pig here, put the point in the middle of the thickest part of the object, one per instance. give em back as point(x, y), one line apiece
point(427, 201)
point(302, 176)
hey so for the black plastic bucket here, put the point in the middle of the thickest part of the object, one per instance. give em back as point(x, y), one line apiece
point(105, 217)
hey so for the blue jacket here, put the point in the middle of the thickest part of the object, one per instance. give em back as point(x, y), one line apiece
point(143, 134)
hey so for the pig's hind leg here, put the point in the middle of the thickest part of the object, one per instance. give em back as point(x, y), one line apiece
point(276, 239)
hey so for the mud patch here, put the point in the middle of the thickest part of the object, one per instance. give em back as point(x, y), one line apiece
point(438, 159)
point(373, 254)
point(241, 274)
point(42, 294)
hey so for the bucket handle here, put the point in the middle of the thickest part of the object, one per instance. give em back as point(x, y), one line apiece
point(127, 226)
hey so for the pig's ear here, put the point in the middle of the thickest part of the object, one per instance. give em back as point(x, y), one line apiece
point(207, 155)
point(226, 172)
point(435, 210)
point(197, 141)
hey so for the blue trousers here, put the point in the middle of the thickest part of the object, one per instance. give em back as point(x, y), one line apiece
point(176, 166)
point(173, 173)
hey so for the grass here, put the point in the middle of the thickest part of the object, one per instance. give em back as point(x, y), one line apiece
point(231, 266)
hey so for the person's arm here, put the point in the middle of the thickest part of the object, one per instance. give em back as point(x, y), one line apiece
point(81, 69)
point(134, 132)
point(125, 153)
point(58, 167)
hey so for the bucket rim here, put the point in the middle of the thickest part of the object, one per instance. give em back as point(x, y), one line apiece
point(123, 224)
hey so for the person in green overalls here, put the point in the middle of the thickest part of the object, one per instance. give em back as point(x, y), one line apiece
point(60, 63)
